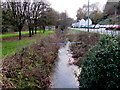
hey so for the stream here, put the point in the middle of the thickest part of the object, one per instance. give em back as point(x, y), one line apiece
point(65, 75)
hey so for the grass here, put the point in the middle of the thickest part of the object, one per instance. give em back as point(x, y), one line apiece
point(9, 48)
point(77, 30)
point(17, 33)
point(88, 32)
point(0, 50)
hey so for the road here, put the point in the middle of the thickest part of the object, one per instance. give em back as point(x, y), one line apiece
point(100, 30)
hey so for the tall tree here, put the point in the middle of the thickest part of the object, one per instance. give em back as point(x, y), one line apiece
point(52, 17)
point(96, 16)
point(35, 12)
point(43, 15)
point(82, 13)
point(64, 20)
point(29, 18)
point(17, 12)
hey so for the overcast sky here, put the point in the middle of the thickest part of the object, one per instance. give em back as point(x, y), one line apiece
point(71, 6)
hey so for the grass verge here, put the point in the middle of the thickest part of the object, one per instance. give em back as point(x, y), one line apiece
point(76, 30)
point(17, 33)
point(9, 48)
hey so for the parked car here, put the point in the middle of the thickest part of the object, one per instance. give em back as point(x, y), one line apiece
point(86, 26)
point(116, 27)
point(109, 27)
point(102, 26)
point(92, 26)
point(83, 26)
point(113, 27)
point(97, 26)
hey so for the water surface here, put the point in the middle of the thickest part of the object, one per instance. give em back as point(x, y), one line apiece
point(64, 74)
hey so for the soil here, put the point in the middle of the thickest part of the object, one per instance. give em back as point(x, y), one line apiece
point(16, 38)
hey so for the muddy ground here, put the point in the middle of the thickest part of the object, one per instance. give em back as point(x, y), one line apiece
point(23, 37)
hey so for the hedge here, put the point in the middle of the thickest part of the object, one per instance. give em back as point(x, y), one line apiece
point(101, 66)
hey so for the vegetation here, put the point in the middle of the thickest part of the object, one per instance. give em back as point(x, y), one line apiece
point(110, 20)
point(17, 15)
point(86, 41)
point(110, 15)
point(100, 68)
point(32, 66)
point(64, 21)
point(98, 56)
point(95, 14)
point(16, 34)
point(76, 30)
point(28, 63)
point(31, 15)
point(10, 47)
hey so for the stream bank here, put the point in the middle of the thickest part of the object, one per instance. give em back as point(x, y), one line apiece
point(79, 50)
point(67, 69)
point(31, 67)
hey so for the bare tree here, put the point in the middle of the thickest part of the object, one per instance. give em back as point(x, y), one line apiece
point(17, 12)
point(64, 20)
point(29, 17)
point(38, 14)
point(42, 19)
point(80, 14)
point(52, 17)
point(83, 12)
point(96, 16)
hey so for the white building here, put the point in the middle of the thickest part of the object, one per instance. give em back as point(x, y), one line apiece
point(82, 22)
point(90, 22)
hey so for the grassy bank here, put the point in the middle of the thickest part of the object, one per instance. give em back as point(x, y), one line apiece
point(32, 66)
point(87, 40)
point(17, 33)
point(10, 47)
point(76, 30)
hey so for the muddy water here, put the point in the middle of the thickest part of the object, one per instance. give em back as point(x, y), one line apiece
point(65, 74)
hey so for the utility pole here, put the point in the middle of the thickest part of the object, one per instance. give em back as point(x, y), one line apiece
point(65, 19)
point(88, 16)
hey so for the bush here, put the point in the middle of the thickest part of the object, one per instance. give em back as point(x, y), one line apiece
point(101, 66)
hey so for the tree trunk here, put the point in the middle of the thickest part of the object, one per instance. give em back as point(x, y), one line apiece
point(43, 29)
point(19, 34)
point(30, 32)
point(20, 29)
point(35, 30)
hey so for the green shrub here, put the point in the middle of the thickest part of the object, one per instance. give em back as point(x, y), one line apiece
point(101, 66)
